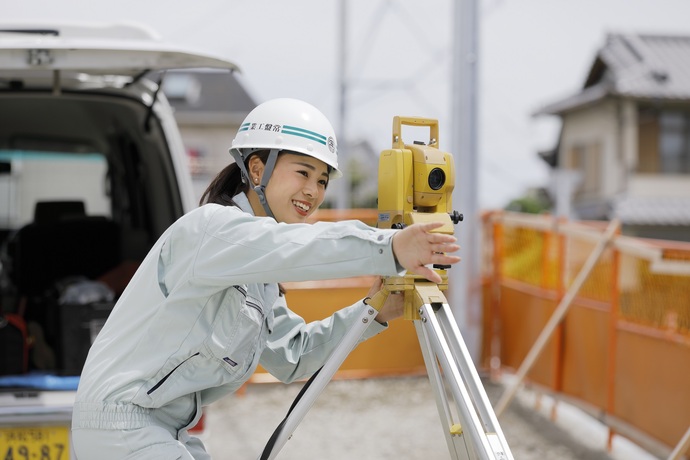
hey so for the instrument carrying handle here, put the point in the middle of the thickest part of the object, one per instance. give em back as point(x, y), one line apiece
point(414, 121)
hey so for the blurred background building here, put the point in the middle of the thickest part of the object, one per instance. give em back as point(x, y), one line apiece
point(209, 108)
point(624, 144)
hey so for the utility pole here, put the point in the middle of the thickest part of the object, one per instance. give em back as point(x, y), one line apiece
point(465, 287)
point(343, 185)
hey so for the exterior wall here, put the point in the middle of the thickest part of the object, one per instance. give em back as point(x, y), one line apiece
point(654, 185)
point(596, 129)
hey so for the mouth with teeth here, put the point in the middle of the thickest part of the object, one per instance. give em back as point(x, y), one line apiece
point(301, 207)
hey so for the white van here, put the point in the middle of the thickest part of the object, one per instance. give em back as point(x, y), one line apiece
point(92, 171)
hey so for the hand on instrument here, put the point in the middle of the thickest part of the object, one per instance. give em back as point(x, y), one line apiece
point(415, 247)
point(392, 307)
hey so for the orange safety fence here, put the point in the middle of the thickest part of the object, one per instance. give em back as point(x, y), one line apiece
point(622, 351)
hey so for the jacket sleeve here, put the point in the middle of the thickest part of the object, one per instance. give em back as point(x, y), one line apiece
point(238, 248)
point(296, 349)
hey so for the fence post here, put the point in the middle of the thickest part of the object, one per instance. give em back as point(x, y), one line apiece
point(495, 360)
point(557, 238)
point(557, 317)
point(613, 335)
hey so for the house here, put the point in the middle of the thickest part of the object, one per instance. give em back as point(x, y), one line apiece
point(209, 108)
point(624, 145)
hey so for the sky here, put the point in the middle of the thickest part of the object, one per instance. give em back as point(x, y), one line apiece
point(399, 61)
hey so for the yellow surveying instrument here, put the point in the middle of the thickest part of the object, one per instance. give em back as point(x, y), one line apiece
point(415, 185)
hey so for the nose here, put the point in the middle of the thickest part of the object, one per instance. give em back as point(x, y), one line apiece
point(310, 189)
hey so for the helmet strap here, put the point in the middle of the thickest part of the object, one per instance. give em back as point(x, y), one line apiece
point(268, 171)
point(266, 176)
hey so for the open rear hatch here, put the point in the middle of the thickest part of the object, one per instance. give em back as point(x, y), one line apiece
point(82, 53)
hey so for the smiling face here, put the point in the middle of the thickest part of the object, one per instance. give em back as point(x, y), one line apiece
point(296, 188)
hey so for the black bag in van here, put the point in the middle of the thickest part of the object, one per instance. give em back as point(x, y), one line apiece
point(14, 345)
point(81, 309)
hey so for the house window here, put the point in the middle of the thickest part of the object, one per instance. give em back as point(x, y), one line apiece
point(648, 141)
point(674, 142)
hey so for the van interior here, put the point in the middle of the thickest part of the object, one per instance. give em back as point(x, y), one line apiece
point(87, 185)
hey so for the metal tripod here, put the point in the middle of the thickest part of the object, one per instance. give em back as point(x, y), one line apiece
point(471, 428)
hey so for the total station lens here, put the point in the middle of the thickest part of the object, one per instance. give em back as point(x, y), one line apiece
point(437, 178)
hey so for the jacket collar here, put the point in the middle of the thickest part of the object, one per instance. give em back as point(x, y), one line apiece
point(242, 202)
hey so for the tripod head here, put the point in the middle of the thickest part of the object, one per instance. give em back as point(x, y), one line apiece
point(415, 185)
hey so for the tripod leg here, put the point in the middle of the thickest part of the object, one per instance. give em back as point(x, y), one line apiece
point(464, 360)
point(487, 443)
point(308, 397)
point(457, 446)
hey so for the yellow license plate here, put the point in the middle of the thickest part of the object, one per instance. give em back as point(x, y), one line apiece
point(34, 443)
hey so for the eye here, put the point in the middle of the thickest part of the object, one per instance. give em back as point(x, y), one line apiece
point(324, 183)
point(304, 173)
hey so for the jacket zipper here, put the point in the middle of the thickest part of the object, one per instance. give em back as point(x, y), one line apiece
point(161, 381)
point(255, 307)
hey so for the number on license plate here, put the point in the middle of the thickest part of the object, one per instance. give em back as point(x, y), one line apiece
point(34, 443)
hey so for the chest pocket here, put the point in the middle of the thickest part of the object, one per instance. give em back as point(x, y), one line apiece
point(236, 333)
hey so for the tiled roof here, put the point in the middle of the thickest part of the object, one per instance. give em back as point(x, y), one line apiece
point(653, 210)
point(649, 66)
point(637, 66)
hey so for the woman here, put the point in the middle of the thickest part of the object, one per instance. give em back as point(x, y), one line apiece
point(205, 308)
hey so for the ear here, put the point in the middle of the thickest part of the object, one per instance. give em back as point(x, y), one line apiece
point(256, 169)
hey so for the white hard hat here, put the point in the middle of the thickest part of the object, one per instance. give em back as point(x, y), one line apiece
point(288, 124)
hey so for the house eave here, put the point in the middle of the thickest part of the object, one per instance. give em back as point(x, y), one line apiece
point(583, 99)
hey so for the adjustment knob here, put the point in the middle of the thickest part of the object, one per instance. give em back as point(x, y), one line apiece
point(456, 217)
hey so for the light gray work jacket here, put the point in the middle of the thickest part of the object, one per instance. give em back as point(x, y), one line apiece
point(204, 309)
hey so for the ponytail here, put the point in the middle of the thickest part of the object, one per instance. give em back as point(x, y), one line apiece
point(228, 183)
point(224, 186)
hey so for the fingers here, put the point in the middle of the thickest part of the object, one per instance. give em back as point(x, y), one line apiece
point(376, 287)
point(415, 246)
point(440, 245)
point(428, 274)
point(444, 259)
point(444, 247)
point(441, 240)
point(429, 226)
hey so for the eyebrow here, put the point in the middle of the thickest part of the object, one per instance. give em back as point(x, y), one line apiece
point(307, 165)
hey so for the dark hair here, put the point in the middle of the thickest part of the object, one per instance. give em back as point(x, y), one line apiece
point(228, 183)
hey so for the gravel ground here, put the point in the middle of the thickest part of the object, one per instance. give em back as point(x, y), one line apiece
point(386, 418)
